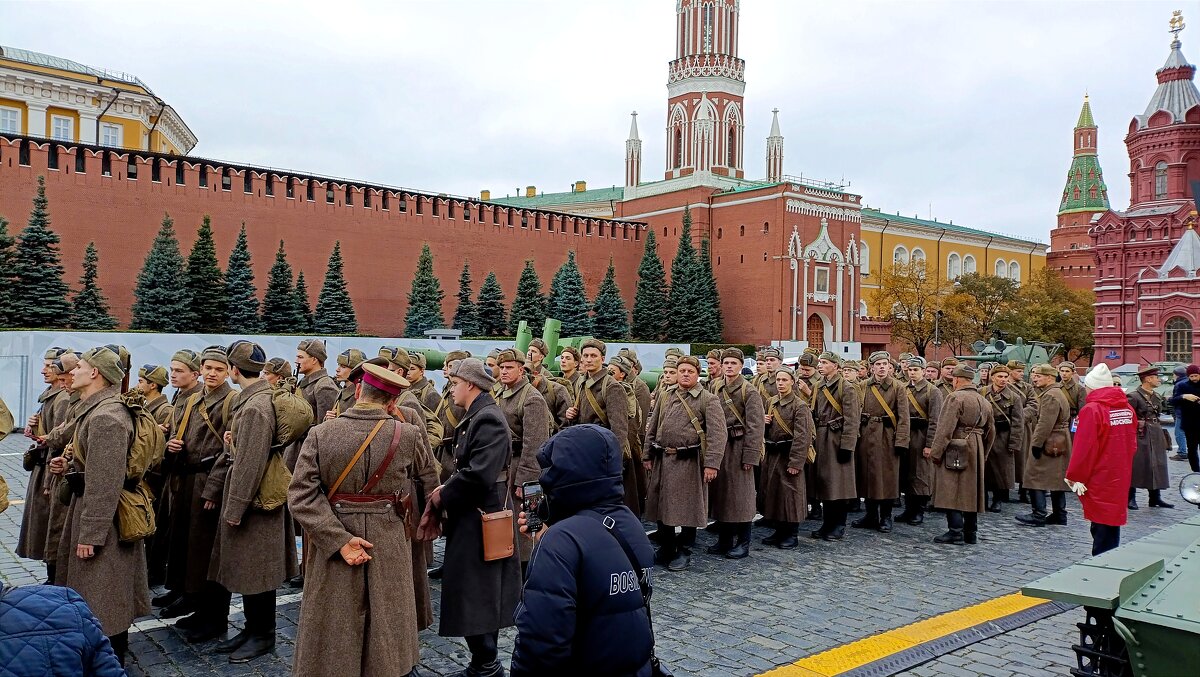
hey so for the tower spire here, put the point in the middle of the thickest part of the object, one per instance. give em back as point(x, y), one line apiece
point(633, 154)
point(1085, 190)
point(775, 149)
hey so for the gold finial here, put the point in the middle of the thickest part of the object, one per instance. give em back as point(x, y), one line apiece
point(1176, 23)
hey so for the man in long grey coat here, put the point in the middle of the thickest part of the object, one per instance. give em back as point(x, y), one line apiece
point(108, 574)
point(836, 410)
point(733, 494)
point(478, 597)
point(685, 442)
point(1150, 462)
point(965, 431)
point(255, 551)
point(358, 611)
point(1046, 468)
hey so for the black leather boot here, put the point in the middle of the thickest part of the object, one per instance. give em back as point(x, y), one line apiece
point(1156, 500)
point(1132, 505)
point(775, 538)
point(259, 644)
point(951, 537)
point(233, 643)
point(681, 561)
point(885, 517)
point(870, 520)
point(790, 541)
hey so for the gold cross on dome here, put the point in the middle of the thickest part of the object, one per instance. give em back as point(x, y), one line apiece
point(1176, 23)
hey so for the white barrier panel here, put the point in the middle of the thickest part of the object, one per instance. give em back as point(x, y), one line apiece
point(21, 354)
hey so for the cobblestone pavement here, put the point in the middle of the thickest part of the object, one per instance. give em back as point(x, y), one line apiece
point(731, 618)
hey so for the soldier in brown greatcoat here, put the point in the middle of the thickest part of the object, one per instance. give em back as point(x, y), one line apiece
point(1050, 453)
point(528, 423)
point(621, 369)
point(1150, 462)
point(1029, 418)
point(837, 410)
point(399, 362)
point(882, 440)
point(359, 582)
point(422, 388)
point(685, 442)
point(200, 417)
point(152, 378)
point(255, 550)
point(641, 391)
point(1072, 389)
point(601, 400)
point(315, 385)
point(346, 362)
point(946, 382)
point(732, 494)
point(965, 431)
point(788, 438)
point(31, 541)
point(278, 373)
point(1008, 408)
point(764, 383)
point(449, 414)
point(64, 409)
point(924, 409)
point(110, 575)
point(569, 360)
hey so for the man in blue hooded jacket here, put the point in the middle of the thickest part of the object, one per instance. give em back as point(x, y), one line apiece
point(584, 615)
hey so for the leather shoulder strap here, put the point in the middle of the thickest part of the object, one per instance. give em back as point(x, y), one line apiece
point(916, 405)
point(777, 419)
point(354, 460)
point(596, 406)
point(187, 414)
point(387, 460)
point(836, 405)
point(883, 403)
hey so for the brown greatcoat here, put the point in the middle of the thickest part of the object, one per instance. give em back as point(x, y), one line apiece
point(637, 435)
point(965, 416)
point(1029, 419)
point(58, 440)
point(732, 494)
point(423, 479)
point(355, 619)
point(675, 493)
point(784, 496)
point(1007, 410)
point(765, 385)
point(258, 554)
point(610, 395)
point(345, 399)
point(1076, 396)
point(877, 462)
point(835, 430)
point(449, 414)
point(113, 581)
point(193, 529)
point(31, 542)
point(424, 391)
point(321, 391)
point(1150, 461)
point(558, 398)
point(529, 424)
point(918, 470)
point(1054, 413)
point(158, 545)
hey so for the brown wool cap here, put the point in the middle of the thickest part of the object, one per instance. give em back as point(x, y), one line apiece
point(474, 372)
point(1066, 364)
point(1000, 369)
point(714, 354)
point(934, 363)
point(154, 373)
point(964, 371)
point(830, 357)
point(904, 357)
point(510, 355)
point(631, 355)
point(1016, 364)
point(593, 343)
point(397, 356)
point(786, 370)
point(734, 354)
point(879, 355)
point(688, 359)
point(950, 362)
point(67, 362)
point(248, 356)
point(383, 379)
point(772, 351)
point(417, 358)
point(107, 362)
point(623, 364)
point(1045, 370)
point(54, 352)
point(672, 362)
point(570, 349)
point(674, 351)
point(914, 361)
point(987, 365)
point(808, 360)
point(540, 345)
point(456, 355)
point(188, 358)
point(316, 348)
point(216, 354)
point(279, 367)
point(351, 358)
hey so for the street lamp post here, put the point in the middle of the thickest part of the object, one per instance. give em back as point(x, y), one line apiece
point(937, 321)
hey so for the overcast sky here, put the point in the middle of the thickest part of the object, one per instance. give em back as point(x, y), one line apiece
point(965, 108)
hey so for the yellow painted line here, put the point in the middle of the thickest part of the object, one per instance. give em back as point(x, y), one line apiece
point(19, 501)
point(870, 649)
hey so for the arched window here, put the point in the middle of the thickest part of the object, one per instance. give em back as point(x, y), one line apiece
point(953, 266)
point(862, 308)
point(968, 264)
point(731, 147)
point(1178, 340)
point(1160, 180)
point(918, 255)
point(899, 256)
point(1014, 271)
point(720, 231)
point(678, 159)
point(1001, 268)
point(742, 230)
point(864, 256)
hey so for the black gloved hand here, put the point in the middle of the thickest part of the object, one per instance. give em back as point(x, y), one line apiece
point(900, 451)
point(844, 455)
point(1038, 451)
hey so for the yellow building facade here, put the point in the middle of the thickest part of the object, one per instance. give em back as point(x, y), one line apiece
point(949, 250)
point(45, 96)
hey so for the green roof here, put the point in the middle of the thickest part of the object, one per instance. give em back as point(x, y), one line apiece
point(546, 200)
point(48, 61)
point(940, 225)
point(1085, 190)
point(750, 185)
point(1085, 115)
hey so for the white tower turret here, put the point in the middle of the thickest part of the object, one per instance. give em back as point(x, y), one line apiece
point(775, 150)
point(633, 155)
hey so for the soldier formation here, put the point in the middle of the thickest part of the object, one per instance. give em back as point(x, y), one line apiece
point(376, 445)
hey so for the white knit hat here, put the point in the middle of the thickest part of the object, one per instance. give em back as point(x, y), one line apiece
point(1098, 377)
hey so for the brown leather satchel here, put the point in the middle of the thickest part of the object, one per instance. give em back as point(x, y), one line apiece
point(955, 456)
point(499, 538)
point(1057, 443)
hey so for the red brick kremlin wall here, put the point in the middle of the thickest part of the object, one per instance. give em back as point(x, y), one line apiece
point(380, 247)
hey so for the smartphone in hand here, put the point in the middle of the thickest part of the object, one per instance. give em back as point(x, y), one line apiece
point(531, 498)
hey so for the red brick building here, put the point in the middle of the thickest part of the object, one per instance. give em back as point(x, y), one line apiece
point(1148, 257)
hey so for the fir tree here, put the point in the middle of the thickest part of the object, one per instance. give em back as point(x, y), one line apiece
point(206, 283)
point(568, 301)
point(466, 316)
point(162, 302)
point(281, 314)
point(713, 323)
point(8, 273)
point(39, 295)
point(610, 317)
point(303, 307)
point(89, 307)
point(490, 307)
point(528, 304)
point(650, 302)
point(335, 310)
point(242, 317)
point(686, 292)
point(425, 299)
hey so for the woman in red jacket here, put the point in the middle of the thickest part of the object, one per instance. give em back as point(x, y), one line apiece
point(1102, 458)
